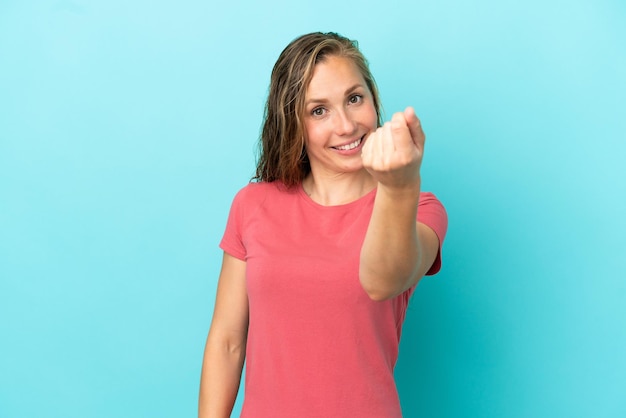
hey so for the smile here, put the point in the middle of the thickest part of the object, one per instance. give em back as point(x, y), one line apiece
point(350, 146)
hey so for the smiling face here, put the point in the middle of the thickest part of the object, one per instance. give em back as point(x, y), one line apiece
point(339, 112)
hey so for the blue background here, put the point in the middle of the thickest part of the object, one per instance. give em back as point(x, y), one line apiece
point(126, 127)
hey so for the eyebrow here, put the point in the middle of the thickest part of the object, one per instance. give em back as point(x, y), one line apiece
point(348, 91)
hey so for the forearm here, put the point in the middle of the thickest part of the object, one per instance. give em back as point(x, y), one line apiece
point(390, 254)
point(221, 375)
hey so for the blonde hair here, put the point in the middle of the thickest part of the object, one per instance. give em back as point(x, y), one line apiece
point(282, 153)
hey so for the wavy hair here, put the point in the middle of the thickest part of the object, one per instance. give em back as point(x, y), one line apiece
point(282, 154)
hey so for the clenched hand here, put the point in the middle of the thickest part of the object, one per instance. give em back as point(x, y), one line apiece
point(393, 153)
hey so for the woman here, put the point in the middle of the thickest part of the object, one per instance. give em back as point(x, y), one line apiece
point(323, 251)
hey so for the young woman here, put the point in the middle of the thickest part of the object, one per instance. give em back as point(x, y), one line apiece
point(323, 251)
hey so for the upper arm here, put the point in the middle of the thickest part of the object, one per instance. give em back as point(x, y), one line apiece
point(429, 246)
point(230, 316)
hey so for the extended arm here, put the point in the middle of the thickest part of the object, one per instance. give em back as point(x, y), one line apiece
point(225, 349)
point(396, 251)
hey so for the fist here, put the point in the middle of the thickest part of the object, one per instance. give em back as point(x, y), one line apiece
point(393, 153)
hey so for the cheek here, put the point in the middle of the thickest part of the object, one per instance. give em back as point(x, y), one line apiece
point(373, 118)
point(315, 132)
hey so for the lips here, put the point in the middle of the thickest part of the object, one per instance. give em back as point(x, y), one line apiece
point(350, 146)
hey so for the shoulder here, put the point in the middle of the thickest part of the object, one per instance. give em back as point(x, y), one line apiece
point(429, 198)
point(428, 202)
point(430, 211)
point(252, 191)
point(258, 193)
point(255, 190)
point(257, 201)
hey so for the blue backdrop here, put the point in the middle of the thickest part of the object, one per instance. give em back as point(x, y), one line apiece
point(126, 127)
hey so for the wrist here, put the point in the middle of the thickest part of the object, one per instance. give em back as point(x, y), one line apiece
point(411, 190)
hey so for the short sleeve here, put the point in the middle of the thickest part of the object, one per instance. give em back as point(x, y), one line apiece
point(232, 240)
point(431, 213)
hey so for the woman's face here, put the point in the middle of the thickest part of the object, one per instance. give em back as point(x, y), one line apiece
point(339, 112)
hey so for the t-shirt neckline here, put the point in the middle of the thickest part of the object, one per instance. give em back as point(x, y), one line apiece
point(304, 196)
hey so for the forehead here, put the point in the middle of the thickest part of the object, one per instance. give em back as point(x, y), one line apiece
point(333, 76)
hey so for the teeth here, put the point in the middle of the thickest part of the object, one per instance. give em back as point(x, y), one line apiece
point(350, 146)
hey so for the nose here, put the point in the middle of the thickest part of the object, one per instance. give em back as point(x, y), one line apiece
point(344, 123)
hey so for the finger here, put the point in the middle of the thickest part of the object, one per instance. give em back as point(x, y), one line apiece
point(366, 150)
point(368, 147)
point(415, 126)
point(383, 143)
point(401, 133)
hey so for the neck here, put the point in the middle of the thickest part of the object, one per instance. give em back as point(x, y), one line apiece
point(338, 189)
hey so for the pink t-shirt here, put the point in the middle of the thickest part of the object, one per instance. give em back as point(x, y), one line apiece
point(318, 346)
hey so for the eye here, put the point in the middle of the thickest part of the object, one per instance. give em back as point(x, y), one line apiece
point(318, 111)
point(355, 98)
